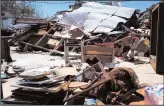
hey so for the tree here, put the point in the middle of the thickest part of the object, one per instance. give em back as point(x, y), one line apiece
point(15, 9)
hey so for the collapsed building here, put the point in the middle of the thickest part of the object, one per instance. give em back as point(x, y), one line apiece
point(93, 33)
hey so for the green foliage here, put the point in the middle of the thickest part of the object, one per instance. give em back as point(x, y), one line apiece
point(17, 9)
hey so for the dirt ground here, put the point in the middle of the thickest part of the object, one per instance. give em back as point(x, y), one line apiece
point(145, 72)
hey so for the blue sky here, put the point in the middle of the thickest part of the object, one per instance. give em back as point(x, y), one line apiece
point(49, 8)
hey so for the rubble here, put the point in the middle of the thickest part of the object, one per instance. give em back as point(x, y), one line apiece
point(87, 41)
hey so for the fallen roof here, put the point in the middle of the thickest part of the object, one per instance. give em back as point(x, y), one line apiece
point(96, 17)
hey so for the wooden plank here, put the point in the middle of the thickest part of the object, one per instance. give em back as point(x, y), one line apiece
point(97, 48)
point(6, 37)
point(52, 43)
point(98, 53)
point(103, 71)
point(72, 45)
point(30, 21)
point(52, 51)
point(45, 35)
point(66, 52)
point(82, 51)
point(59, 44)
point(153, 63)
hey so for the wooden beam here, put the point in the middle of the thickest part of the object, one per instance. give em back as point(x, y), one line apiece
point(52, 28)
point(98, 53)
point(52, 51)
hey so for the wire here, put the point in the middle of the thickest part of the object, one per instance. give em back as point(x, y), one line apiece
point(55, 2)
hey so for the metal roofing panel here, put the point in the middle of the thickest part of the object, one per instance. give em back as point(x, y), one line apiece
point(97, 17)
point(125, 12)
point(100, 8)
point(90, 25)
point(112, 21)
point(84, 9)
point(74, 18)
point(101, 29)
point(109, 24)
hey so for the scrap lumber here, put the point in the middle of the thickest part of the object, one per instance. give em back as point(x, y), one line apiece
point(134, 33)
point(6, 37)
point(18, 36)
point(52, 28)
point(105, 54)
point(52, 51)
point(123, 39)
point(29, 21)
point(153, 62)
point(59, 44)
point(67, 45)
point(88, 89)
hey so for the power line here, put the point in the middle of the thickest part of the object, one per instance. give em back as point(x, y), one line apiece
point(56, 2)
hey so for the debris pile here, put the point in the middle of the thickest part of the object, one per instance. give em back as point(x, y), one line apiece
point(91, 23)
point(93, 33)
point(109, 87)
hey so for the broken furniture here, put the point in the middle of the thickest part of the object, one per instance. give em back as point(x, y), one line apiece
point(104, 54)
point(67, 45)
point(120, 90)
point(157, 38)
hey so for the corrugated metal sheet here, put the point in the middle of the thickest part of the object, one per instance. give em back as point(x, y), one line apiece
point(93, 20)
point(125, 12)
point(74, 18)
point(109, 24)
point(100, 18)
